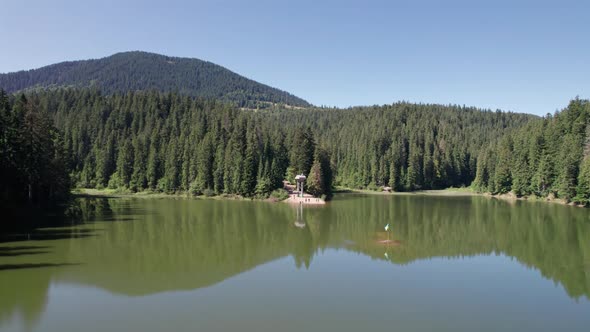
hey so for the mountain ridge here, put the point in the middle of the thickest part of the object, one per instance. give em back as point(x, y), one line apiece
point(139, 70)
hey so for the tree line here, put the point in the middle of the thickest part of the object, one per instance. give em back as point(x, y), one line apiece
point(33, 161)
point(405, 146)
point(549, 157)
point(170, 142)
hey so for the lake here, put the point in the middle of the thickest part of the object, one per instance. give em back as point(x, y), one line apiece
point(451, 264)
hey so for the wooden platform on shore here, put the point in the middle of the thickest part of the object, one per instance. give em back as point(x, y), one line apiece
point(295, 199)
point(306, 199)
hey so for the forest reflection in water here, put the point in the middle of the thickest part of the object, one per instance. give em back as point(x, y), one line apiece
point(138, 247)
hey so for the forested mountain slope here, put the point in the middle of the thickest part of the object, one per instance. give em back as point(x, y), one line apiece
point(171, 143)
point(132, 71)
point(175, 143)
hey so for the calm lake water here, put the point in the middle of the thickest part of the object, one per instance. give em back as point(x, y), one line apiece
point(457, 264)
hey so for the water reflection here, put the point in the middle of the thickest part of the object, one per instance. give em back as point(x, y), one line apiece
point(299, 222)
point(146, 246)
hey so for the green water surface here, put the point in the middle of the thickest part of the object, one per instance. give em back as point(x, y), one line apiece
point(452, 264)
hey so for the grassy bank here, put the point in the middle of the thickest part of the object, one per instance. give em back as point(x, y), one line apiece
point(464, 191)
point(116, 193)
point(533, 198)
point(448, 192)
point(275, 196)
point(439, 192)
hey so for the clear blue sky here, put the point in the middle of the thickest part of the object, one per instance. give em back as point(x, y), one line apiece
point(524, 56)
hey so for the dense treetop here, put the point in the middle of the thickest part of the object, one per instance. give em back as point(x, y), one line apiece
point(403, 145)
point(131, 71)
point(170, 142)
point(33, 163)
point(174, 143)
point(547, 157)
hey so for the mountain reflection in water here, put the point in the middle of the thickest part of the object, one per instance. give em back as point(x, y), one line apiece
point(137, 247)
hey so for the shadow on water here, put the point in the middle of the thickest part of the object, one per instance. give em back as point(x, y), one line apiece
point(105, 196)
point(4, 267)
point(45, 235)
point(28, 265)
point(22, 251)
point(22, 248)
point(114, 219)
point(62, 223)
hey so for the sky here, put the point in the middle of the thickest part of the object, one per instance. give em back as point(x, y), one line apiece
point(521, 56)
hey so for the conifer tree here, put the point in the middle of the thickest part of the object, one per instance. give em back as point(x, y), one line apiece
point(315, 180)
point(583, 188)
point(250, 166)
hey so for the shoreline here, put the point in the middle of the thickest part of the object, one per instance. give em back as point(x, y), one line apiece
point(113, 193)
point(511, 197)
point(431, 192)
point(460, 192)
point(449, 192)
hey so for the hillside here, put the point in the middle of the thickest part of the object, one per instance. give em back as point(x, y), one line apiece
point(169, 143)
point(131, 71)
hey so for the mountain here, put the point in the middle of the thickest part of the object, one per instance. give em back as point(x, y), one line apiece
point(130, 71)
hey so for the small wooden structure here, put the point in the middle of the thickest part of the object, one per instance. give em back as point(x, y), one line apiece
point(297, 195)
point(300, 179)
